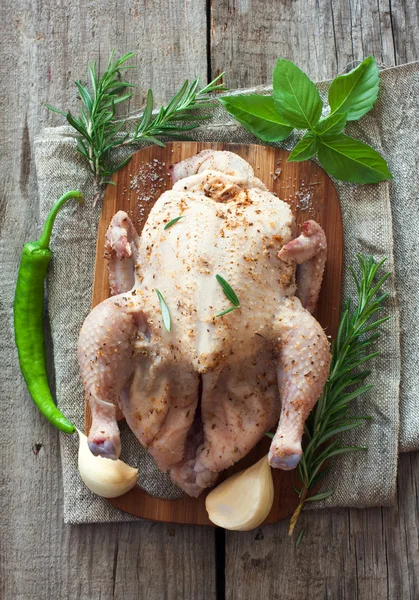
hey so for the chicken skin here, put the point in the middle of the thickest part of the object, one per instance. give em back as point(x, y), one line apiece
point(201, 391)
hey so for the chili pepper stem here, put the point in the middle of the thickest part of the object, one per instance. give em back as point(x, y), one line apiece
point(45, 238)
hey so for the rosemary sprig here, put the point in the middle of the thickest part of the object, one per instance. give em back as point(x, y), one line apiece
point(350, 351)
point(230, 294)
point(99, 132)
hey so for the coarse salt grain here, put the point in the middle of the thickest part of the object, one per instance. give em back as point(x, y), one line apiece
point(148, 182)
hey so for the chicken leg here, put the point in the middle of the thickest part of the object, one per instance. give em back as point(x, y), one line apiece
point(106, 358)
point(303, 368)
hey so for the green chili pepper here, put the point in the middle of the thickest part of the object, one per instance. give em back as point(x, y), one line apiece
point(28, 318)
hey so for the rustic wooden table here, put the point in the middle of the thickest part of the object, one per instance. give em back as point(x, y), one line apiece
point(347, 554)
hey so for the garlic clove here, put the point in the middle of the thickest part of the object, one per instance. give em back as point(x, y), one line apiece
point(103, 476)
point(244, 500)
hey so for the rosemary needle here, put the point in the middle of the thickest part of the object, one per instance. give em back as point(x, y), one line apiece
point(164, 310)
point(228, 310)
point(300, 537)
point(173, 221)
point(228, 290)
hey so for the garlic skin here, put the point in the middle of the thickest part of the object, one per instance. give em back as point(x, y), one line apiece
point(244, 500)
point(103, 476)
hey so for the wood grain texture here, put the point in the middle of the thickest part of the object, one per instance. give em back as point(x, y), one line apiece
point(311, 194)
point(346, 554)
point(45, 46)
point(322, 36)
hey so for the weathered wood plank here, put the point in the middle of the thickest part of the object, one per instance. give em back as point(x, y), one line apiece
point(404, 17)
point(248, 36)
point(346, 554)
point(45, 46)
point(323, 37)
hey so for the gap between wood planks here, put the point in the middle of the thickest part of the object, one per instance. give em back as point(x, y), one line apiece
point(209, 28)
point(220, 536)
point(220, 563)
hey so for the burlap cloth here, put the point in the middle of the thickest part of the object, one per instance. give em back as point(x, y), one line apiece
point(381, 220)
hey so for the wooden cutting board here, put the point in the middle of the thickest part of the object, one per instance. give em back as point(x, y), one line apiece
point(311, 194)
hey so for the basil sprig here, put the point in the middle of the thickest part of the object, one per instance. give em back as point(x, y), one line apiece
point(296, 103)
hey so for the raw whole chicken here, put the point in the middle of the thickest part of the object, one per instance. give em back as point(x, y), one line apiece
point(200, 396)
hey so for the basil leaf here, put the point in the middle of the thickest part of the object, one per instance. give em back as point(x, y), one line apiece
point(351, 160)
point(257, 114)
point(333, 124)
point(164, 310)
point(296, 98)
point(305, 149)
point(228, 290)
point(355, 92)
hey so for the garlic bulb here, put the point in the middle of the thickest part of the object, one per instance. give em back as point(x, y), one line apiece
point(103, 476)
point(244, 500)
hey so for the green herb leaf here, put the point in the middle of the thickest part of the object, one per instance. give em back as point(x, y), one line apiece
point(346, 449)
point(257, 114)
point(164, 310)
point(228, 310)
point(296, 98)
point(334, 431)
point(300, 538)
point(173, 221)
point(305, 149)
point(182, 108)
point(321, 496)
point(350, 160)
point(355, 92)
point(56, 110)
point(333, 124)
point(315, 480)
point(228, 291)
